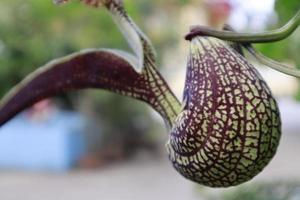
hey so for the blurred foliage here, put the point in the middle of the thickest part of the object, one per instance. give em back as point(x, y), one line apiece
point(286, 9)
point(288, 49)
point(283, 49)
point(34, 32)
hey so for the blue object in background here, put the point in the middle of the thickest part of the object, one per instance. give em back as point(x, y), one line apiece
point(56, 144)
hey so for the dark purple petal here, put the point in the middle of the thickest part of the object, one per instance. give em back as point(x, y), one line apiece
point(96, 69)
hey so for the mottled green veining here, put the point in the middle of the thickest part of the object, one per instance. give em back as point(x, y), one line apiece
point(229, 129)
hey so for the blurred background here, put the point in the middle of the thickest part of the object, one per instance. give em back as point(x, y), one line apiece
point(93, 144)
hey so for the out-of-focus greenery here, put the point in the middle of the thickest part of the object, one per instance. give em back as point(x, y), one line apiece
point(283, 49)
point(34, 32)
point(288, 49)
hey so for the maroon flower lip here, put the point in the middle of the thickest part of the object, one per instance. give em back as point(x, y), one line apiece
point(93, 69)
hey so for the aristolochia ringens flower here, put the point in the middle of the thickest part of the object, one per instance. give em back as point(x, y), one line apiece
point(227, 128)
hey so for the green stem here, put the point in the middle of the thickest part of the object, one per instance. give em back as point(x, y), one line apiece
point(269, 36)
point(261, 58)
point(272, 63)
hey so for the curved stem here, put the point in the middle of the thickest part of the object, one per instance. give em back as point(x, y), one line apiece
point(261, 58)
point(269, 36)
point(272, 63)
